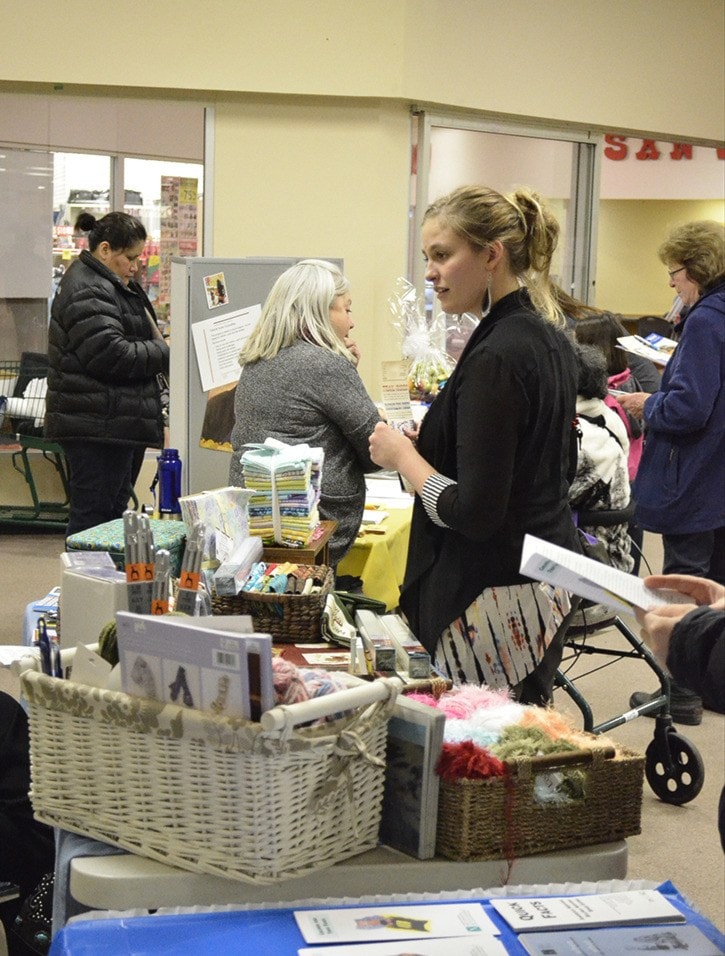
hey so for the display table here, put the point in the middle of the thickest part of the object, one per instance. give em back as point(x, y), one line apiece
point(378, 556)
point(127, 881)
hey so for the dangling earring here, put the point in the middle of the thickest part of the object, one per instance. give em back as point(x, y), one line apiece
point(487, 307)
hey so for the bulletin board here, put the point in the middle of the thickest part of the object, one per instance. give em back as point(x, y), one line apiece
point(210, 298)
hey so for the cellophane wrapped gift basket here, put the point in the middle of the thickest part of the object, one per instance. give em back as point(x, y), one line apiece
point(255, 802)
point(422, 342)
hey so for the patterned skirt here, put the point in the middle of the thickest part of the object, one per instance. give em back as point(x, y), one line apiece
point(502, 636)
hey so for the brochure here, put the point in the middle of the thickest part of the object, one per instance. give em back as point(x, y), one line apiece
point(591, 579)
point(656, 348)
point(615, 941)
point(627, 908)
point(480, 946)
point(394, 921)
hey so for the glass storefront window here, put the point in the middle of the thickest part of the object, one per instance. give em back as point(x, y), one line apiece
point(167, 197)
point(81, 183)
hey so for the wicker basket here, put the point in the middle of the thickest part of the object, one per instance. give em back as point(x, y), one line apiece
point(289, 618)
point(259, 803)
point(500, 818)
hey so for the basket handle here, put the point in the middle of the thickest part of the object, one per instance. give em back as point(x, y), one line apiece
point(566, 758)
point(287, 715)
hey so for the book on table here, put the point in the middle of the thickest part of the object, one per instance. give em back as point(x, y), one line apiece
point(410, 799)
point(196, 662)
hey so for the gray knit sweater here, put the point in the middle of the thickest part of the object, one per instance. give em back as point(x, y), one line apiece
point(309, 394)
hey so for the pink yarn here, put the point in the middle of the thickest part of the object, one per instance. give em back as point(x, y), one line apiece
point(289, 687)
point(461, 702)
point(428, 699)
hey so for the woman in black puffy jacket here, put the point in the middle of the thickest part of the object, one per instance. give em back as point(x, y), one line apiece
point(106, 355)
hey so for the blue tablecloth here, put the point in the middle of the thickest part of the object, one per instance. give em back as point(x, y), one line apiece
point(269, 932)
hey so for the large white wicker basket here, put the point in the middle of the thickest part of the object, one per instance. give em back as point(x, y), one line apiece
point(258, 803)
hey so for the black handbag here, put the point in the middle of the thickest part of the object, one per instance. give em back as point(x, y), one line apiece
point(34, 923)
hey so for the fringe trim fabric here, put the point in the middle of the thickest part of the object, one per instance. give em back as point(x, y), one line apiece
point(502, 636)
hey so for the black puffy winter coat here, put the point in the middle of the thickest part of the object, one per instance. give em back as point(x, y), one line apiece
point(104, 360)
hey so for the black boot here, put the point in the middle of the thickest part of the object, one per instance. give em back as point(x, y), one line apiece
point(685, 705)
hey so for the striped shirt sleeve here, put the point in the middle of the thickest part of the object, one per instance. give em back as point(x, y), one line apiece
point(432, 489)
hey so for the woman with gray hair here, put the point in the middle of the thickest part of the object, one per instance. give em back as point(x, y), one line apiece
point(681, 479)
point(299, 384)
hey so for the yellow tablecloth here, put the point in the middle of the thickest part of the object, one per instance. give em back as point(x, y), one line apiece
point(379, 559)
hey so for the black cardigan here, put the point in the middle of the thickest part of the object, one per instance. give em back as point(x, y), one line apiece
point(502, 430)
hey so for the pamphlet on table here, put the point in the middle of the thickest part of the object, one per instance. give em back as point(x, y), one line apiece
point(480, 946)
point(395, 921)
point(627, 908)
point(616, 941)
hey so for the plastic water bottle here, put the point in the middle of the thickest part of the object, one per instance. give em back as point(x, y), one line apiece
point(168, 475)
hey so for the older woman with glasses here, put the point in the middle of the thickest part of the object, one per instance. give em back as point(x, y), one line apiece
point(680, 485)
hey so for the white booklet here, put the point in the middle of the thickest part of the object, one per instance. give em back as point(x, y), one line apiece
point(614, 941)
point(591, 579)
point(395, 921)
point(626, 908)
point(480, 946)
point(656, 348)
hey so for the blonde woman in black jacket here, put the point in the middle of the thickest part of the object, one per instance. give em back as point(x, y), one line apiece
point(105, 355)
point(492, 458)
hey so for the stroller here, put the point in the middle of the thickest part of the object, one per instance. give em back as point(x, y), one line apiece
point(674, 768)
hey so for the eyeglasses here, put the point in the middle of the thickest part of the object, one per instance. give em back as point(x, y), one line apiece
point(675, 271)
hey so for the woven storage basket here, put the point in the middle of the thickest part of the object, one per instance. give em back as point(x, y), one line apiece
point(289, 618)
point(500, 818)
point(209, 794)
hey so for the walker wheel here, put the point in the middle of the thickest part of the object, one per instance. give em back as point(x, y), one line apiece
point(677, 775)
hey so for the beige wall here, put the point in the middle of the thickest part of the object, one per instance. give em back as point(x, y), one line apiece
point(320, 179)
point(312, 97)
point(630, 277)
point(616, 65)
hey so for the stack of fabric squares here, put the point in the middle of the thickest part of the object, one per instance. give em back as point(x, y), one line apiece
point(285, 485)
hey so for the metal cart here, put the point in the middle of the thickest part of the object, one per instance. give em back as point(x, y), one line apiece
point(22, 413)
